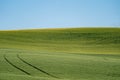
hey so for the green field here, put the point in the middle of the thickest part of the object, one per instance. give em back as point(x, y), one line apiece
point(60, 54)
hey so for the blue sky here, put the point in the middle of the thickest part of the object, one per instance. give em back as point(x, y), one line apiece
point(23, 14)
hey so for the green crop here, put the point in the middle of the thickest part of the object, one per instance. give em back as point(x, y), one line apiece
point(60, 54)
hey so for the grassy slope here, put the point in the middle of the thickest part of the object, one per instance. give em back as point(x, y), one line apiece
point(64, 40)
point(97, 54)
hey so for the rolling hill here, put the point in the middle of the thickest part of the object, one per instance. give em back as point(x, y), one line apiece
point(60, 54)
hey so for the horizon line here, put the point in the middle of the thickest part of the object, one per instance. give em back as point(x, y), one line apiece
point(42, 28)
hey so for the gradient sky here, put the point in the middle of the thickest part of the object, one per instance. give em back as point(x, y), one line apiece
point(23, 14)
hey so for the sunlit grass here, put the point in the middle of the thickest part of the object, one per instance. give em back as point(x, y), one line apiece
point(67, 54)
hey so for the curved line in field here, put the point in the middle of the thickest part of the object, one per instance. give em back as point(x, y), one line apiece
point(15, 65)
point(36, 67)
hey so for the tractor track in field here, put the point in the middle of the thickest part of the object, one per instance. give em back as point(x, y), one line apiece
point(36, 67)
point(15, 65)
